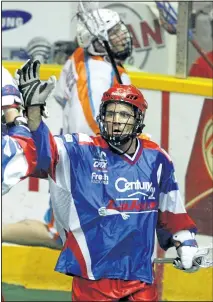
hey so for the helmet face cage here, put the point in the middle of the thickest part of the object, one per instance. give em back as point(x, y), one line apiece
point(124, 136)
point(120, 41)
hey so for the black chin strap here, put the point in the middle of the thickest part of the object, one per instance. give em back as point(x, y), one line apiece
point(117, 150)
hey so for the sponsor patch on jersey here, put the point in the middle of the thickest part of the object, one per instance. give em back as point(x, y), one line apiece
point(138, 187)
point(68, 138)
point(99, 178)
point(100, 162)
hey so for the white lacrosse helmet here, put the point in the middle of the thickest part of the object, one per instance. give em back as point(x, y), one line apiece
point(111, 22)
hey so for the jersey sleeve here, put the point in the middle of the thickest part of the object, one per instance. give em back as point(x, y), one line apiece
point(172, 216)
point(54, 152)
point(18, 156)
point(65, 83)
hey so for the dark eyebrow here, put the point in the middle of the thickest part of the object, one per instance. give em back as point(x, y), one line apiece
point(124, 111)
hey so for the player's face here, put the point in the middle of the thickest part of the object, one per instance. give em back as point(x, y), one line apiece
point(118, 36)
point(119, 119)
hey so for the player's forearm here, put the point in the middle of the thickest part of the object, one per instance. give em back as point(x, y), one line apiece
point(28, 232)
point(46, 147)
point(34, 117)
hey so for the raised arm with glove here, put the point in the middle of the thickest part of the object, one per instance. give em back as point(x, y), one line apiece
point(34, 92)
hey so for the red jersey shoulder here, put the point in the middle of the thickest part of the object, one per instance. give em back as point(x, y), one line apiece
point(98, 141)
point(148, 144)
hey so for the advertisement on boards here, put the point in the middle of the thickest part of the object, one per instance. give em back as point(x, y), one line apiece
point(24, 21)
point(199, 176)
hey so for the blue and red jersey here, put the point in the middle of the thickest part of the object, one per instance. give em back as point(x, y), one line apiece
point(107, 207)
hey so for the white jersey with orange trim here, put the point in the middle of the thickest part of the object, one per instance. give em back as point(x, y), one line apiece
point(79, 90)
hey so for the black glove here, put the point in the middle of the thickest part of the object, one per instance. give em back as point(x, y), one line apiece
point(34, 92)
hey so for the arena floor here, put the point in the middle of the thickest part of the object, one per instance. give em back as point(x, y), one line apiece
point(19, 293)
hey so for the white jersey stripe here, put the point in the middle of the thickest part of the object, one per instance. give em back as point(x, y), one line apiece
point(64, 208)
point(171, 202)
point(15, 169)
point(77, 231)
point(159, 171)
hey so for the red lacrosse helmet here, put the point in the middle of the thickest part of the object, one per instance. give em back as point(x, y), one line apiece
point(130, 95)
point(126, 93)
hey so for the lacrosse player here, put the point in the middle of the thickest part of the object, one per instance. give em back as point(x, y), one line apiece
point(89, 72)
point(18, 150)
point(18, 162)
point(200, 68)
point(110, 193)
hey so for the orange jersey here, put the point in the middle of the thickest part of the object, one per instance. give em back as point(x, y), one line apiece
point(82, 83)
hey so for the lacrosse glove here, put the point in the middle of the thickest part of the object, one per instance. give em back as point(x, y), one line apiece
point(34, 92)
point(186, 251)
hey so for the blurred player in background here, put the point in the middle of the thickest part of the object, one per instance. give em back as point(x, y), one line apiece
point(15, 148)
point(88, 73)
point(200, 68)
point(18, 149)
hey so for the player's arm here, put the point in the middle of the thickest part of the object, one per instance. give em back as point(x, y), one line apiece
point(174, 226)
point(18, 151)
point(52, 156)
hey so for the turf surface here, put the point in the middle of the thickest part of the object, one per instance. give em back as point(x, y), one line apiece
point(19, 293)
